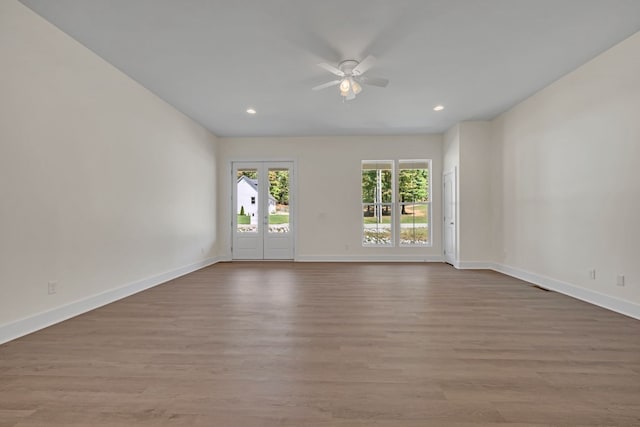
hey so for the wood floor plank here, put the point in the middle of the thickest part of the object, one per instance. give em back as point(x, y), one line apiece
point(329, 344)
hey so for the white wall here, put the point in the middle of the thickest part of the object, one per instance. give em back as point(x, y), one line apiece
point(570, 185)
point(475, 204)
point(102, 183)
point(451, 149)
point(329, 190)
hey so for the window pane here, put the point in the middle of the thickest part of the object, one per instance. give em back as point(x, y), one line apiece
point(368, 185)
point(247, 196)
point(414, 224)
point(377, 181)
point(278, 200)
point(377, 220)
point(413, 181)
point(385, 185)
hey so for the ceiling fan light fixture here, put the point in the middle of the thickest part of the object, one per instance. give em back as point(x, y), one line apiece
point(345, 85)
point(356, 87)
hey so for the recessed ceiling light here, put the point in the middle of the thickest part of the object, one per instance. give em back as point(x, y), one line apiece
point(251, 111)
point(438, 108)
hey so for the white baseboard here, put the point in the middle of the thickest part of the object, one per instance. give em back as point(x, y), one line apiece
point(370, 258)
point(474, 265)
point(611, 303)
point(27, 325)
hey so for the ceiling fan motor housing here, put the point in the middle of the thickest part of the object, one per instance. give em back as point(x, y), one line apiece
point(347, 66)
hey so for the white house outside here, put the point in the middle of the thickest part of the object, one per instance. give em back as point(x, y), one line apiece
point(247, 195)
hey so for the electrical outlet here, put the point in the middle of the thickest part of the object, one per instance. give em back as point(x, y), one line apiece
point(52, 287)
point(592, 274)
point(620, 281)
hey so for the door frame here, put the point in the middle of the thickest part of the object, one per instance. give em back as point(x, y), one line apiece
point(453, 259)
point(293, 197)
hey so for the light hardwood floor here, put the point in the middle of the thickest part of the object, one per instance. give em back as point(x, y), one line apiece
point(284, 344)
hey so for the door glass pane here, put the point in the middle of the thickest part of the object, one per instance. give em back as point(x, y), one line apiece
point(247, 201)
point(278, 206)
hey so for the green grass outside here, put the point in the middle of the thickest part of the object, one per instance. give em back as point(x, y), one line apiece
point(278, 219)
point(415, 234)
point(372, 220)
point(273, 219)
point(419, 217)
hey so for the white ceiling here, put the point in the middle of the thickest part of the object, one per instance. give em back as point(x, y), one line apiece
point(212, 59)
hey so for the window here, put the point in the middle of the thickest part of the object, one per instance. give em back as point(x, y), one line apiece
point(415, 206)
point(396, 201)
point(253, 200)
point(377, 203)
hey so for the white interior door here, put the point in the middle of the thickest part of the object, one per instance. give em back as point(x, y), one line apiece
point(262, 210)
point(450, 225)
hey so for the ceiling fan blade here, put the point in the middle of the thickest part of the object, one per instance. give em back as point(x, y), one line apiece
point(364, 65)
point(331, 69)
point(374, 81)
point(326, 85)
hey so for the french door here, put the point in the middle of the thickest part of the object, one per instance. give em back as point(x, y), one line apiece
point(262, 210)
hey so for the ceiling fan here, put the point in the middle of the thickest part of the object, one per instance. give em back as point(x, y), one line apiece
point(350, 73)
